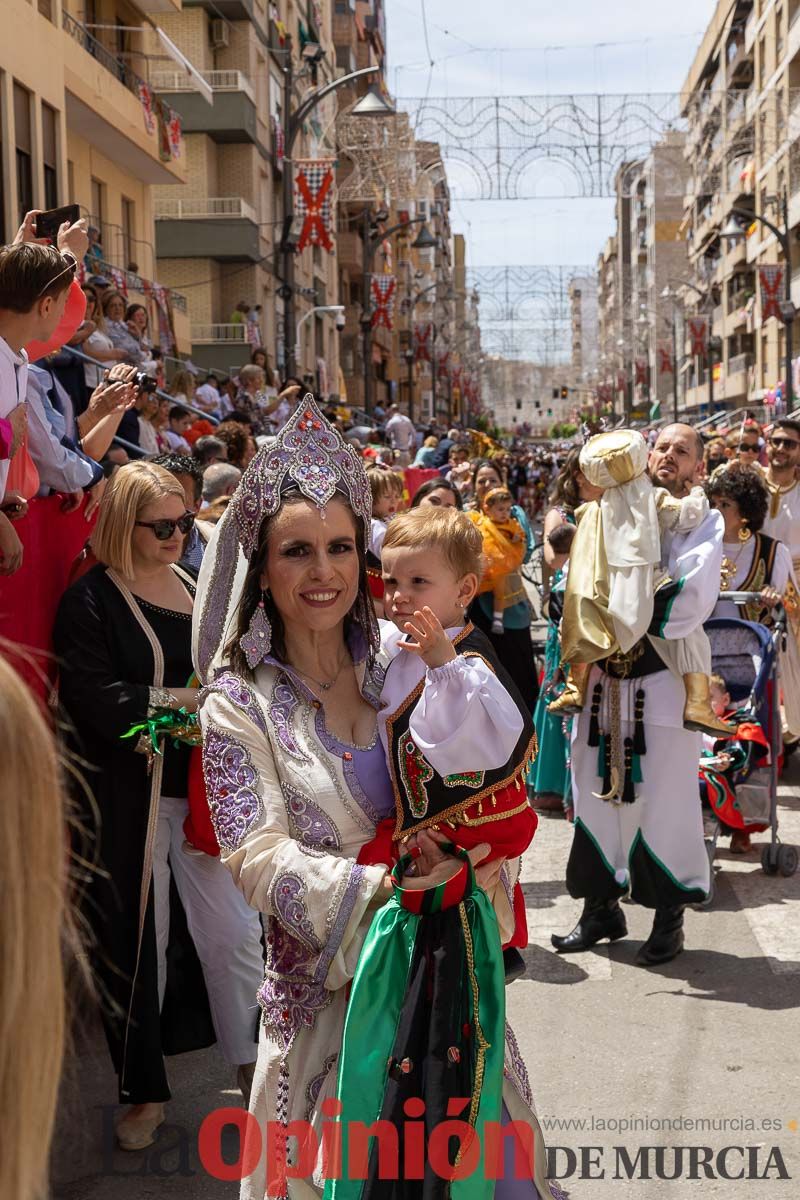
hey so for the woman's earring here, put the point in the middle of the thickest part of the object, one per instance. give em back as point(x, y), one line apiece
point(744, 533)
point(257, 642)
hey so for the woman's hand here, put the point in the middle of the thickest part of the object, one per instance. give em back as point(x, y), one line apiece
point(446, 869)
point(432, 645)
point(769, 597)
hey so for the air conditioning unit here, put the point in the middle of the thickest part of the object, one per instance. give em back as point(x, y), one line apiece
point(220, 34)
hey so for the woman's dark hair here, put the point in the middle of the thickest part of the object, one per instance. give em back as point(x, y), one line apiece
point(259, 350)
point(480, 463)
point(746, 488)
point(252, 594)
point(134, 308)
point(565, 492)
point(436, 485)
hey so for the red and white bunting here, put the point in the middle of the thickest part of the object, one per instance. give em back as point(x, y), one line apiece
point(313, 187)
point(383, 292)
point(119, 280)
point(146, 100)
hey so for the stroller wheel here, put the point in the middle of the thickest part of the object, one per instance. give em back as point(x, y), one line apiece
point(769, 865)
point(787, 860)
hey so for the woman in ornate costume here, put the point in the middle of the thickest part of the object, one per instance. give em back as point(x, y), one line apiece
point(286, 640)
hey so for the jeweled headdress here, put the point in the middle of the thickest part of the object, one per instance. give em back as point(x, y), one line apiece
point(309, 457)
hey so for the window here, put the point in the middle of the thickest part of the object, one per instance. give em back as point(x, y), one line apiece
point(778, 35)
point(50, 156)
point(24, 149)
point(128, 232)
point(762, 61)
point(46, 8)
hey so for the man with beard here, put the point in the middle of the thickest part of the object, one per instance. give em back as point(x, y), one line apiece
point(783, 517)
point(646, 838)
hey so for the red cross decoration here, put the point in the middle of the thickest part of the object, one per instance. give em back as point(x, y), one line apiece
point(770, 278)
point(698, 331)
point(455, 375)
point(622, 381)
point(665, 366)
point(422, 341)
point(442, 368)
point(382, 292)
point(313, 183)
point(641, 371)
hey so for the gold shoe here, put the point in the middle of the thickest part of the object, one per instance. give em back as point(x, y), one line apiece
point(698, 713)
point(136, 1130)
point(573, 696)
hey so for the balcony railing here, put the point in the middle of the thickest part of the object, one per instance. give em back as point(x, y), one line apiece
point(117, 66)
point(218, 81)
point(203, 208)
point(231, 331)
point(134, 282)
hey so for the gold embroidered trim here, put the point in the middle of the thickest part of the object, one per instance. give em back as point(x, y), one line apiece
point(483, 1045)
point(501, 816)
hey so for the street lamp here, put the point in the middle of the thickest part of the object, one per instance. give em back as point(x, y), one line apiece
point(372, 104)
point(312, 312)
point(732, 230)
point(292, 124)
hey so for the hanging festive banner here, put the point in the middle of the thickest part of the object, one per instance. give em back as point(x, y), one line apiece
point(146, 100)
point(665, 366)
point(771, 279)
point(622, 381)
point(165, 327)
point(174, 134)
point(313, 184)
point(442, 360)
point(455, 375)
point(278, 143)
point(383, 290)
point(641, 371)
point(698, 331)
point(422, 341)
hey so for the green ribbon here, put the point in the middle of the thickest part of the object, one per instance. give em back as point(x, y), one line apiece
point(373, 1012)
point(162, 726)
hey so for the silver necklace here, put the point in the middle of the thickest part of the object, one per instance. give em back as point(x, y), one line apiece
point(327, 685)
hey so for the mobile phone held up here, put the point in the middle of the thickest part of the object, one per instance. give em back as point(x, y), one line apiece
point(48, 223)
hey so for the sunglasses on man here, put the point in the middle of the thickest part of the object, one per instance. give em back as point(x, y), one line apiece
point(784, 443)
point(751, 446)
point(165, 528)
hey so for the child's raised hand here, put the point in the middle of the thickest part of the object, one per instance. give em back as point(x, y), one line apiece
point(432, 643)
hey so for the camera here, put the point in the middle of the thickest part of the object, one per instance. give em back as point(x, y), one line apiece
point(341, 320)
point(144, 382)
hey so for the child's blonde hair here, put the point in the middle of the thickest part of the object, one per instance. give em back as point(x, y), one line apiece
point(719, 682)
point(447, 530)
point(384, 482)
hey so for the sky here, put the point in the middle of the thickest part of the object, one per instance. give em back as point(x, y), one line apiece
point(539, 47)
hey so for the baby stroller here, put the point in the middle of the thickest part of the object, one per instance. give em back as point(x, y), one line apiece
point(745, 654)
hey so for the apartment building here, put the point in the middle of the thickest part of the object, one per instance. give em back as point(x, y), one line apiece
point(74, 129)
point(740, 99)
point(220, 233)
point(608, 327)
point(583, 303)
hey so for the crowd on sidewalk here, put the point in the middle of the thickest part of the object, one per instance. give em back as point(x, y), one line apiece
point(290, 647)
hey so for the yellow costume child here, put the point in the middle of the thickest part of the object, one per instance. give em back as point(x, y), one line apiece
point(503, 551)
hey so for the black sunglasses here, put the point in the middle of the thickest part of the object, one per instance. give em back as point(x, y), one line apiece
point(165, 528)
point(751, 446)
point(783, 443)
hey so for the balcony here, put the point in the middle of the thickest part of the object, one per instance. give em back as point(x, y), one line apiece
point(230, 331)
point(223, 228)
point(103, 106)
point(232, 116)
point(231, 10)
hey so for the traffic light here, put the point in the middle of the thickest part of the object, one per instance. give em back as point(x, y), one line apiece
point(564, 392)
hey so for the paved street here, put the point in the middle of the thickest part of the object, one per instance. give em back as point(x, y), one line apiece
point(711, 1036)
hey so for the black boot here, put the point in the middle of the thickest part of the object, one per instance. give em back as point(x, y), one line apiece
point(666, 937)
point(513, 964)
point(599, 919)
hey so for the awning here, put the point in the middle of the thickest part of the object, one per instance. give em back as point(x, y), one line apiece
point(180, 58)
